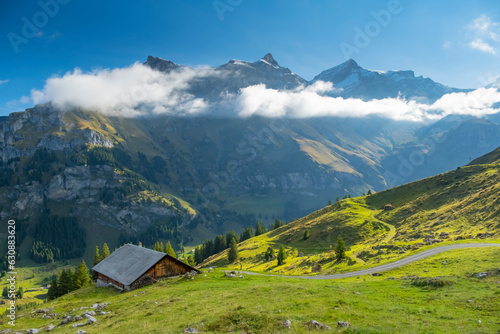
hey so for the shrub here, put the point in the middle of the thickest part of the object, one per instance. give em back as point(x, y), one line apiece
point(433, 282)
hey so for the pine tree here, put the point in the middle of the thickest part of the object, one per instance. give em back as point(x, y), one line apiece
point(97, 256)
point(53, 290)
point(190, 260)
point(82, 277)
point(277, 223)
point(208, 249)
point(329, 202)
point(230, 236)
point(220, 244)
point(268, 255)
point(281, 255)
point(306, 234)
point(72, 285)
point(105, 251)
point(169, 250)
point(232, 255)
point(369, 192)
point(260, 229)
point(5, 293)
point(198, 255)
point(97, 259)
point(340, 249)
point(64, 283)
point(247, 233)
point(20, 293)
point(337, 199)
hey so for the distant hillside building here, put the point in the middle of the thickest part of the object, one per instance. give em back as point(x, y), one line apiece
point(131, 267)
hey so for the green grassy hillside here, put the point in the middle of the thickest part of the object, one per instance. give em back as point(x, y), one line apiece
point(397, 302)
point(489, 158)
point(450, 207)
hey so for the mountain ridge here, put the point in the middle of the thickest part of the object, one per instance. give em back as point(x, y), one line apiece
point(349, 80)
point(357, 82)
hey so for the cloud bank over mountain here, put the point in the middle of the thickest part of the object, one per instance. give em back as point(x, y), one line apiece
point(139, 90)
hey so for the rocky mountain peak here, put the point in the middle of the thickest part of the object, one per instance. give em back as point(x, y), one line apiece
point(269, 58)
point(351, 63)
point(161, 64)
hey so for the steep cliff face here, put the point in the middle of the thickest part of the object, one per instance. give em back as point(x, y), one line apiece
point(45, 126)
point(81, 191)
point(66, 163)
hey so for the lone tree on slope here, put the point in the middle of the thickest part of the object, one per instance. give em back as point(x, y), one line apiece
point(233, 251)
point(281, 255)
point(340, 249)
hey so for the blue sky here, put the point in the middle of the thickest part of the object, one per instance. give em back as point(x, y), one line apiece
point(456, 43)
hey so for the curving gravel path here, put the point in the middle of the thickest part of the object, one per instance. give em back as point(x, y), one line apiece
point(384, 267)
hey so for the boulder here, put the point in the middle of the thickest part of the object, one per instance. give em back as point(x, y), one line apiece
point(190, 330)
point(287, 323)
point(80, 324)
point(32, 331)
point(91, 320)
point(100, 306)
point(315, 324)
point(44, 310)
point(480, 275)
point(343, 324)
point(81, 331)
point(50, 327)
point(77, 318)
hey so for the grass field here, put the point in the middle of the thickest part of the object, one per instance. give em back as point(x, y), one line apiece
point(385, 304)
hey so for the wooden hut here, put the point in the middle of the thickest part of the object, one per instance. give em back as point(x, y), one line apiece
point(131, 267)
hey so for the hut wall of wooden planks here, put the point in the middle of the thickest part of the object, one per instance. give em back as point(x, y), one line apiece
point(131, 267)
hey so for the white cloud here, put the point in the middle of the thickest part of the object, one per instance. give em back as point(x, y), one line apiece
point(303, 103)
point(483, 25)
point(25, 99)
point(3, 81)
point(446, 45)
point(480, 45)
point(486, 32)
point(130, 91)
point(138, 90)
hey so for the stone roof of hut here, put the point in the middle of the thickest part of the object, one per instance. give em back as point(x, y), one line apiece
point(130, 262)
